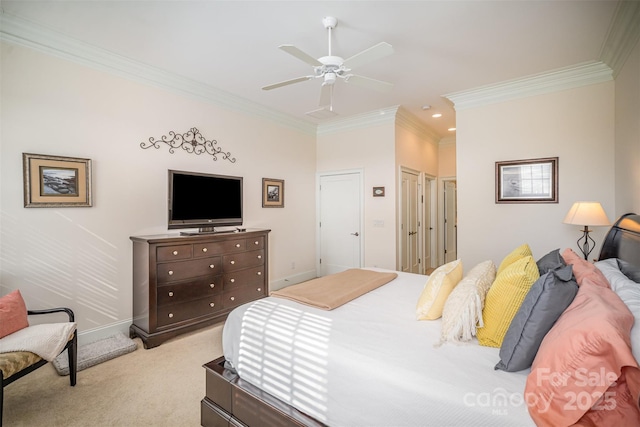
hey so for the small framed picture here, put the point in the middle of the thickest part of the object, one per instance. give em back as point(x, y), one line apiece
point(378, 191)
point(272, 193)
point(56, 182)
point(527, 181)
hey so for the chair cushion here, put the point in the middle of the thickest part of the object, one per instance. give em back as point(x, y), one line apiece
point(13, 313)
point(16, 361)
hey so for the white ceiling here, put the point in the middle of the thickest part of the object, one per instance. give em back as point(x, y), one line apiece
point(440, 47)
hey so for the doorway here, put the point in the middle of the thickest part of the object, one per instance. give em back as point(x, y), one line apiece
point(340, 222)
point(450, 220)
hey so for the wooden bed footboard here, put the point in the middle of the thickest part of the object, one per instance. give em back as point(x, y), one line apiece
point(231, 401)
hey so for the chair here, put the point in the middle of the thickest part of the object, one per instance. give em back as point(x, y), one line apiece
point(16, 365)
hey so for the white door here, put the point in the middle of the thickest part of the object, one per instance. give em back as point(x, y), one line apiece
point(340, 234)
point(450, 222)
point(410, 257)
point(428, 224)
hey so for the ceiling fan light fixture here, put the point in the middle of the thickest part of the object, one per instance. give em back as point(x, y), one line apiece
point(329, 79)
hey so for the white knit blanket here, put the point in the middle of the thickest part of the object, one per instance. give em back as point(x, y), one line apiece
point(46, 340)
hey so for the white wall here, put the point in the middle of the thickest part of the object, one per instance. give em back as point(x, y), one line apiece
point(627, 154)
point(81, 257)
point(576, 125)
point(371, 149)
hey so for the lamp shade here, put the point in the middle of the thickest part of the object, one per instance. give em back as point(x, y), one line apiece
point(587, 213)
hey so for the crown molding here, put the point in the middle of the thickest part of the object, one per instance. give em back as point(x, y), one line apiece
point(26, 33)
point(359, 121)
point(410, 122)
point(623, 35)
point(538, 84)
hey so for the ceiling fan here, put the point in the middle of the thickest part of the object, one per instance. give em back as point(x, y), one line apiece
point(330, 68)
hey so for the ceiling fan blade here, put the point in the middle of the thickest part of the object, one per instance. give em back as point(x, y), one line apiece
point(292, 50)
point(326, 93)
point(369, 83)
point(378, 51)
point(287, 82)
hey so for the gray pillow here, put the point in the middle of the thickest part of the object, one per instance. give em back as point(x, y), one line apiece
point(550, 261)
point(547, 299)
point(629, 270)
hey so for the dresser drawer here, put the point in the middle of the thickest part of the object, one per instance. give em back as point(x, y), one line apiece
point(226, 246)
point(239, 296)
point(236, 279)
point(175, 313)
point(176, 271)
point(255, 243)
point(186, 291)
point(172, 253)
point(242, 260)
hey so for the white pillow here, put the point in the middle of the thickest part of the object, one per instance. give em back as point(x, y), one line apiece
point(463, 308)
point(629, 293)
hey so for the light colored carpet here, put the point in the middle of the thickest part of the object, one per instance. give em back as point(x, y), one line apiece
point(161, 386)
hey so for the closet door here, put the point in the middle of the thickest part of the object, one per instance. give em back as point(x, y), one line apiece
point(339, 228)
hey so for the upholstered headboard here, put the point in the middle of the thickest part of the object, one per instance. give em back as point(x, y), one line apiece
point(623, 240)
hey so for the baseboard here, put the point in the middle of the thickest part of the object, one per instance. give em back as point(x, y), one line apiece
point(93, 335)
point(292, 280)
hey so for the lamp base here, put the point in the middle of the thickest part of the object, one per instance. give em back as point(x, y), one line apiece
point(585, 243)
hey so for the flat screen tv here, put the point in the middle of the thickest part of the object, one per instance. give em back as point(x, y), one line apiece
point(204, 201)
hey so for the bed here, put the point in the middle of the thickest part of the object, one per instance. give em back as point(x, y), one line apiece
point(369, 362)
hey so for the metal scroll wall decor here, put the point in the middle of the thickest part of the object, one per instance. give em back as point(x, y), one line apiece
point(192, 142)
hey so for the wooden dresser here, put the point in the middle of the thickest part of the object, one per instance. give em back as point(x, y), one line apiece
point(181, 283)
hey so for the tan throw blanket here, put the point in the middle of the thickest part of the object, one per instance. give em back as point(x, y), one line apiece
point(332, 291)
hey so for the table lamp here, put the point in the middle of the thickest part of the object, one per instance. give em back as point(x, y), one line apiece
point(586, 214)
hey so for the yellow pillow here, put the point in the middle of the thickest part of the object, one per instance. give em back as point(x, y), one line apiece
point(440, 284)
point(516, 254)
point(504, 299)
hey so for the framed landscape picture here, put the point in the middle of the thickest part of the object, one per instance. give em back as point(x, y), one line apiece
point(53, 181)
point(527, 181)
point(272, 193)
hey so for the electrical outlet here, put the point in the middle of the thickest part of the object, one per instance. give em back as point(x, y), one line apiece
point(293, 265)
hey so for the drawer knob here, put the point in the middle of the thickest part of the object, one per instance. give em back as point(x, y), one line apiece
point(211, 265)
point(259, 289)
point(232, 280)
point(170, 272)
point(204, 249)
point(212, 285)
point(212, 304)
point(232, 298)
point(259, 273)
point(170, 315)
point(233, 262)
point(237, 245)
point(170, 294)
point(256, 243)
point(175, 252)
point(259, 256)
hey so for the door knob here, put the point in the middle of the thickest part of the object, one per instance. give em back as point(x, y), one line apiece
point(355, 234)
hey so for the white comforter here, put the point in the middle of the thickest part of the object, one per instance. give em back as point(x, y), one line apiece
point(371, 363)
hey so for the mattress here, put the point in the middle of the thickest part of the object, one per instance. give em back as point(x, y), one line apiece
point(371, 363)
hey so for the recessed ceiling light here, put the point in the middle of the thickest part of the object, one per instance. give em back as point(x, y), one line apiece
point(451, 129)
point(426, 107)
point(436, 115)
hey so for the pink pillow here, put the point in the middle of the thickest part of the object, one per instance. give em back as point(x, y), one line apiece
point(13, 313)
point(583, 269)
point(586, 357)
